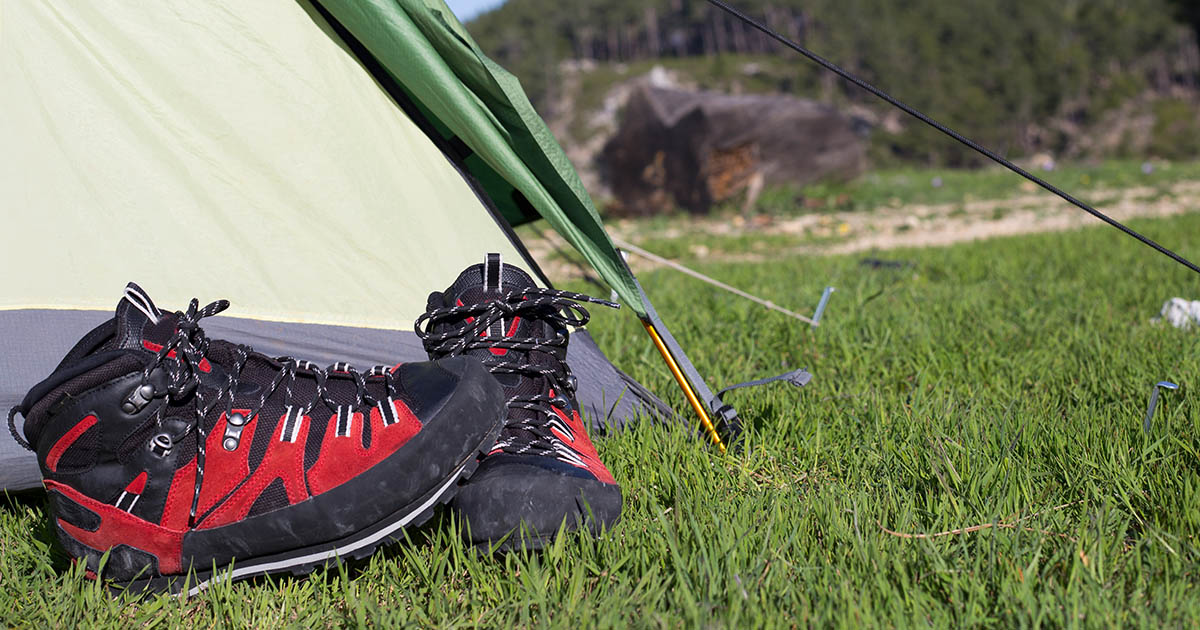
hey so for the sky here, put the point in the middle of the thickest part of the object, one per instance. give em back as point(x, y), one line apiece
point(467, 9)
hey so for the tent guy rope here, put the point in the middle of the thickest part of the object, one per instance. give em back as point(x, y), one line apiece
point(716, 283)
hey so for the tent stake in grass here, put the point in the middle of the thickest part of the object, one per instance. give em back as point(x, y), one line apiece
point(709, 427)
point(816, 318)
point(1154, 401)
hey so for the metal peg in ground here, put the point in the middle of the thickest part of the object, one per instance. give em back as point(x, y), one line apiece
point(1154, 401)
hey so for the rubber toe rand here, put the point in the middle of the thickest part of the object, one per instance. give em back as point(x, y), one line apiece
point(531, 503)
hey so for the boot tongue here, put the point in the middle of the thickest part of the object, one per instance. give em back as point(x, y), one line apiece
point(492, 280)
point(489, 281)
point(140, 324)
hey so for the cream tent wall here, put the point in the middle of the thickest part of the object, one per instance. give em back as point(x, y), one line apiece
point(210, 152)
point(230, 150)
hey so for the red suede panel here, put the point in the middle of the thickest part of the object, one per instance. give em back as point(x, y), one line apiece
point(65, 442)
point(344, 458)
point(407, 425)
point(582, 444)
point(137, 485)
point(224, 470)
point(179, 498)
point(118, 527)
point(284, 460)
point(341, 458)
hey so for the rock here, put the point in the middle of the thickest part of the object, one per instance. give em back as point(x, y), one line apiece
point(1181, 313)
point(690, 149)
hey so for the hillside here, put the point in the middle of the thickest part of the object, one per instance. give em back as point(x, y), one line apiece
point(1105, 78)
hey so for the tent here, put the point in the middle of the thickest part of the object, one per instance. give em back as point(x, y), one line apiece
point(322, 164)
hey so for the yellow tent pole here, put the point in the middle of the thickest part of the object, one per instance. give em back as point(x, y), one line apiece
point(707, 422)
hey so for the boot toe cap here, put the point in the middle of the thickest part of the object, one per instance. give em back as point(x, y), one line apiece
point(531, 503)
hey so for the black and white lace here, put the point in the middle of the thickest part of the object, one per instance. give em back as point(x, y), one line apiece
point(455, 330)
point(180, 358)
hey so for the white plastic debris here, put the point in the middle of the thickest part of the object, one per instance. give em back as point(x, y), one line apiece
point(1181, 313)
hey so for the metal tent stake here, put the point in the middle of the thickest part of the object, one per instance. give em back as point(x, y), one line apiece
point(1154, 401)
point(816, 318)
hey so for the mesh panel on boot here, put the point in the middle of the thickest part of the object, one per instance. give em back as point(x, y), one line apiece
point(136, 441)
point(82, 453)
point(267, 428)
point(93, 378)
point(318, 422)
point(340, 391)
point(367, 431)
point(222, 353)
point(272, 498)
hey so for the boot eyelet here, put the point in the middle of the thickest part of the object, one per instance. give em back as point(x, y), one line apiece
point(161, 445)
point(234, 424)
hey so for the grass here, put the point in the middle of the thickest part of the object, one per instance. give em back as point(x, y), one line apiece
point(1001, 383)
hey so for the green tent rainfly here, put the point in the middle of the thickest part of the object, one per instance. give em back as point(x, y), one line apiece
point(425, 49)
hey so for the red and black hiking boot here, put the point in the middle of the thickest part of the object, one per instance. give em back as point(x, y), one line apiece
point(543, 470)
point(180, 455)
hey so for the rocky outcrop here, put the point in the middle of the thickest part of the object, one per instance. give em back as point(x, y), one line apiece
point(690, 149)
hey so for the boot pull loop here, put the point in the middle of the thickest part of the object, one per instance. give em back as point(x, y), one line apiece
point(12, 428)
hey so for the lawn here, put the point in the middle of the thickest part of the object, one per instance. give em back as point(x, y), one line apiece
point(997, 388)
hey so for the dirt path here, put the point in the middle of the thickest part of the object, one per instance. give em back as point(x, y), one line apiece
point(893, 227)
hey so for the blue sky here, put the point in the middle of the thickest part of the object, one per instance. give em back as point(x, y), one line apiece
point(467, 9)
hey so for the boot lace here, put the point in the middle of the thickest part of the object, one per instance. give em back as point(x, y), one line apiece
point(180, 361)
point(468, 327)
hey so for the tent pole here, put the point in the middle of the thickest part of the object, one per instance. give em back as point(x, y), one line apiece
point(688, 392)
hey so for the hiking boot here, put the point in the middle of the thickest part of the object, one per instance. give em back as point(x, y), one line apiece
point(180, 455)
point(543, 470)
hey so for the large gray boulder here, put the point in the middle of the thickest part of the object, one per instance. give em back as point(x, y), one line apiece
point(688, 149)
